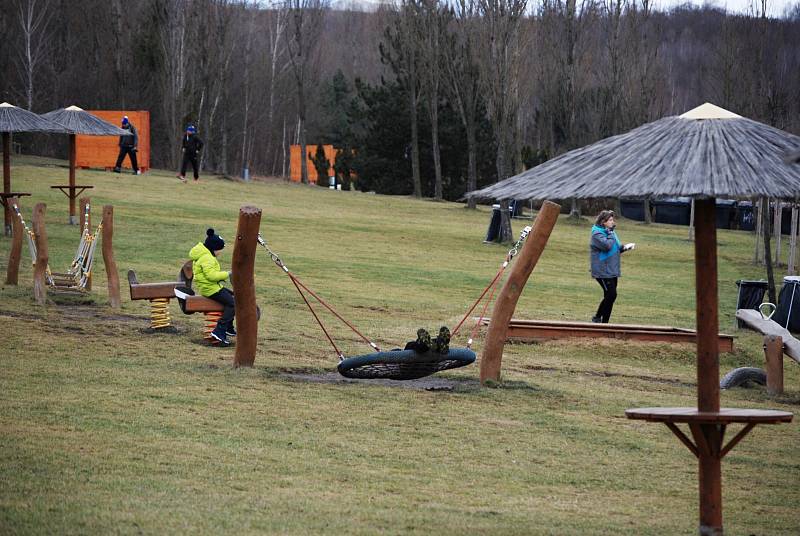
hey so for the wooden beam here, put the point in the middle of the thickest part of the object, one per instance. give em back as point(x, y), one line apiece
point(491, 359)
point(242, 265)
point(40, 267)
point(15, 253)
point(72, 220)
point(6, 180)
point(773, 353)
point(112, 275)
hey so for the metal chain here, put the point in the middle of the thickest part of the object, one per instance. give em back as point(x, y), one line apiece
point(522, 236)
point(272, 255)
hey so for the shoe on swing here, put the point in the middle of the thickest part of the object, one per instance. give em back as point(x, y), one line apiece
point(422, 344)
point(441, 345)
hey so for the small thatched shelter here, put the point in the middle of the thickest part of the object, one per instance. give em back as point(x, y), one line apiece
point(14, 119)
point(705, 153)
point(77, 121)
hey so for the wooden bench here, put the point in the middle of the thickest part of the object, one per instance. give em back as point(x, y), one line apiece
point(212, 310)
point(778, 341)
point(159, 295)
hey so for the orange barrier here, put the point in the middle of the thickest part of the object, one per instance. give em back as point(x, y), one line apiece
point(311, 149)
point(102, 151)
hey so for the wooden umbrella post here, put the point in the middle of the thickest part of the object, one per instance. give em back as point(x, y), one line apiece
point(491, 359)
point(40, 268)
point(14, 255)
point(112, 276)
point(242, 265)
point(7, 180)
point(72, 156)
point(86, 222)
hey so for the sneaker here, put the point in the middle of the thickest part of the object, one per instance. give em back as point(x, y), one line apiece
point(117, 170)
point(597, 320)
point(423, 342)
point(230, 332)
point(441, 345)
point(181, 178)
point(135, 171)
point(222, 340)
point(197, 179)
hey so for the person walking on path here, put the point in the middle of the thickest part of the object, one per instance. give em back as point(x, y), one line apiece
point(128, 145)
point(605, 250)
point(208, 276)
point(191, 146)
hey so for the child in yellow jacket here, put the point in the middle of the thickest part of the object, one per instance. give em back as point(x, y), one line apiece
point(208, 276)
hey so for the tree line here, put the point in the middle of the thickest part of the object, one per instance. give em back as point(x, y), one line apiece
point(421, 97)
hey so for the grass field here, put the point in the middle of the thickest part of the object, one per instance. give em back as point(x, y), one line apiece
point(105, 429)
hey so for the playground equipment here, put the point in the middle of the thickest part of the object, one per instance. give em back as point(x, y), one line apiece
point(535, 330)
point(159, 296)
point(777, 342)
point(78, 276)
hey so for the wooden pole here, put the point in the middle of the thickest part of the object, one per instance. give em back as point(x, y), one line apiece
point(773, 352)
point(112, 276)
point(691, 220)
point(777, 230)
point(72, 157)
point(757, 208)
point(242, 265)
point(40, 268)
point(14, 255)
point(790, 261)
point(707, 436)
point(7, 180)
point(491, 359)
point(86, 220)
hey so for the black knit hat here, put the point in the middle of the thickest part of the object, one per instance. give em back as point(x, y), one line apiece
point(213, 242)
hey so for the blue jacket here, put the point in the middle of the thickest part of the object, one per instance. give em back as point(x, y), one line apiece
point(604, 250)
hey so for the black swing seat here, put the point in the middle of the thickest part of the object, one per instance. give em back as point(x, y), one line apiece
point(403, 364)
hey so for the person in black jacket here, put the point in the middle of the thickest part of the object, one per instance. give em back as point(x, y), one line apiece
point(128, 145)
point(192, 144)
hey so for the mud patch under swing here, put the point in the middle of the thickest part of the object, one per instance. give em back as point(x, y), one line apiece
point(423, 384)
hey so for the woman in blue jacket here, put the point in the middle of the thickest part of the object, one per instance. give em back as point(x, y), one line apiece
point(605, 250)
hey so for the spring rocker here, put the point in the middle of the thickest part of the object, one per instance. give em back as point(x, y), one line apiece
point(159, 296)
point(78, 276)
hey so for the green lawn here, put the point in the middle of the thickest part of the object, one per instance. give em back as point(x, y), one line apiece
point(107, 429)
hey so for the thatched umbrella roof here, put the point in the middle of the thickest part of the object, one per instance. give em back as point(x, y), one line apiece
point(706, 152)
point(77, 121)
point(14, 119)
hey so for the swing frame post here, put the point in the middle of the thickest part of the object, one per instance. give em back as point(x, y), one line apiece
point(112, 275)
point(86, 223)
point(242, 266)
point(42, 258)
point(15, 253)
point(492, 356)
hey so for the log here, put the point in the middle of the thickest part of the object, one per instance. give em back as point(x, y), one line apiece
point(773, 353)
point(72, 219)
point(112, 275)
point(242, 265)
point(86, 220)
point(7, 181)
point(15, 254)
point(40, 267)
point(491, 359)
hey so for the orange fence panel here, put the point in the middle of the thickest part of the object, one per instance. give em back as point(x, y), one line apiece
point(102, 151)
point(294, 162)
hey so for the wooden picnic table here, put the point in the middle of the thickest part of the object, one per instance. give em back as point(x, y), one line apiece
point(70, 191)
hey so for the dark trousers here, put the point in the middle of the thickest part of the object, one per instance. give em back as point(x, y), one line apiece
point(187, 159)
point(225, 297)
point(124, 150)
point(609, 286)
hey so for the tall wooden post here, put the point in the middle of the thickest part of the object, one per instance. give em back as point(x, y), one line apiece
point(14, 255)
point(773, 354)
point(86, 222)
point(112, 276)
point(244, 255)
point(7, 180)
point(72, 154)
point(42, 259)
point(708, 437)
point(491, 359)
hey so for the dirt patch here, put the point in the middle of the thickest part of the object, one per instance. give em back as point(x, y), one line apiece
point(669, 381)
point(422, 384)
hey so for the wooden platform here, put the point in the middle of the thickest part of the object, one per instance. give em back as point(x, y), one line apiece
point(536, 330)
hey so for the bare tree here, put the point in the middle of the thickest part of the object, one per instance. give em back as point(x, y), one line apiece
point(499, 61)
point(462, 80)
point(34, 18)
point(305, 19)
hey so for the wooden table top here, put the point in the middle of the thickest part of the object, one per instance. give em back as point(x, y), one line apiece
point(13, 194)
point(724, 415)
point(72, 186)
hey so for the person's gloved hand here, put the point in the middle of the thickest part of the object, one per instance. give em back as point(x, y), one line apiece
point(629, 247)
point(230, 276)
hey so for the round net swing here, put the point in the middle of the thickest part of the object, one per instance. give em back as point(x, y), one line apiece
point(398, 364)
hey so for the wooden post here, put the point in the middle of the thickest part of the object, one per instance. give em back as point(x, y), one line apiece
point(491, 359)
point(7, 180)
point(244, 256)
point(86, 222)
point(773, 352)
point(112, 276)
point(72, 154)
point(40, 268)
point(708, 437)
point(14, 255)
point(777, 229)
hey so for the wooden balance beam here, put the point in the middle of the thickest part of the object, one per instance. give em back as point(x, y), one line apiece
point(778, 341)
point(159, 295)
point(533, 330)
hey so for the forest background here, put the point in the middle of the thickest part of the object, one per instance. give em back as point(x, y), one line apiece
point(419, 97)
